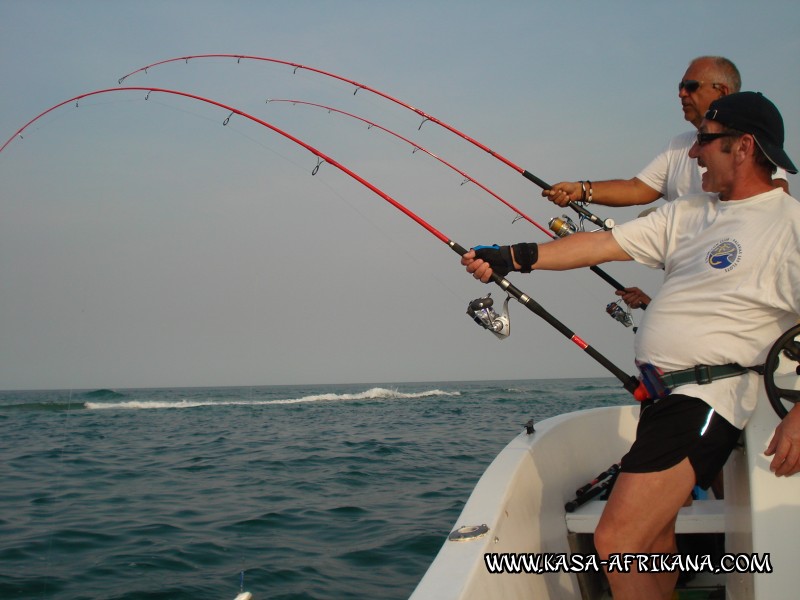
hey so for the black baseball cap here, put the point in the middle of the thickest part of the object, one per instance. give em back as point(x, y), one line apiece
point(753, 113)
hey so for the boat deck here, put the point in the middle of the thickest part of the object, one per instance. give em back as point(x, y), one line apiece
point(703, 516)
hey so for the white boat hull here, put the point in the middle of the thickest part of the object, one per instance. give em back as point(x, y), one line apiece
point(521, 496)
point(762, 512)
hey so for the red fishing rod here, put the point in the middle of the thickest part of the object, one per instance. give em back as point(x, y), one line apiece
point(630, 383)
point(416, 147)
point(604, 223)
point(605, 276)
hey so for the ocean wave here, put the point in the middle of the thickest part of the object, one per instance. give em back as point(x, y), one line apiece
point(156, 404)
point(376, 393)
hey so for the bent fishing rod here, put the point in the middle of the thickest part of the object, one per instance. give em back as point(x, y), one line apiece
point(604, 223)
point(415, 146)
point(562, 227)
point(629, 382)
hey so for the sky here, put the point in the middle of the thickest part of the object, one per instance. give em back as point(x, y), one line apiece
point(145, 243)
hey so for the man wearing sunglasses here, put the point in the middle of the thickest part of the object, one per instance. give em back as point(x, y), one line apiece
point(731, 288)
point(672, 173)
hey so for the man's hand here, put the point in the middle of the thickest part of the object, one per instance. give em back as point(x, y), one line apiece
point(480, 269)
point(564, 192)
point(500, 258)
point(633, 297)
point(785, 445)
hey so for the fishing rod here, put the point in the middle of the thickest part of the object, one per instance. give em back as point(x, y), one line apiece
point(586, 214)
point(629, 382)
point(604, 475)
point(592, 489)
point(416, 146)
point(606, 224)
point(563, 226)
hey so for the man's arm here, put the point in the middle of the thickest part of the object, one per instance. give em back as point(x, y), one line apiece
point(613, 192)
point(578, 250)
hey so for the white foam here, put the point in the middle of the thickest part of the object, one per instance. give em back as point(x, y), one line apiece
point(376, 393)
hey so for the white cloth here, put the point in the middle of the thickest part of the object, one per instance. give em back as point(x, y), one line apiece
point(674, 174)
point(731, 288)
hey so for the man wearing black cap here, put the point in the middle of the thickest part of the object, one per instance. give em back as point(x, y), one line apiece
point(731, 288)
point(671, 174)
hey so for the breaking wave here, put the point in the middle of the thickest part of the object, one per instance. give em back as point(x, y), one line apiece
point(376, 393)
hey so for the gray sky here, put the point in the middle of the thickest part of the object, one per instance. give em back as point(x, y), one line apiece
point(142, 243)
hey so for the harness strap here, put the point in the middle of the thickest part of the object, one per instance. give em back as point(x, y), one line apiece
point(703, 374)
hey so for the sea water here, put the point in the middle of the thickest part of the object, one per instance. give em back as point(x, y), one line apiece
point(301, 492)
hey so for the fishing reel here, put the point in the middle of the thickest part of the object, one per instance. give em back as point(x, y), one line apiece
point(618, 313)
point(562, 226)
point(782, 366)
point(484, 315)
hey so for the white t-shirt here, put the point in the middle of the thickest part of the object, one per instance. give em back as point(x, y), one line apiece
point(731, 288)
point(674, 174)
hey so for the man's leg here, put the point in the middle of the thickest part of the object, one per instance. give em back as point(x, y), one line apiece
point(640, 518)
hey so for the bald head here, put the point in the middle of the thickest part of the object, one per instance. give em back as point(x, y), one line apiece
point(724, 70)
point(707, 79)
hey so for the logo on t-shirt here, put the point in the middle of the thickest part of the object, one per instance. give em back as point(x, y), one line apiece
point(725, 255)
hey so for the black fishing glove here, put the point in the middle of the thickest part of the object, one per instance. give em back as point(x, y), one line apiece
point(499, 257)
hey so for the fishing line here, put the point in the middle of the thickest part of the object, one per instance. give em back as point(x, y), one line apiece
point(58, 117)
point(467, 178)
point(417, 147)
point(581, 210)
point(334, 192)
point(605, 224)
point(630, 383)
point(34, 124)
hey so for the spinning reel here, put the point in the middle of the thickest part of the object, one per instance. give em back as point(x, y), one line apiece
point(484, 315)
point(785, 353)
point(619, 313)
point(563, 226)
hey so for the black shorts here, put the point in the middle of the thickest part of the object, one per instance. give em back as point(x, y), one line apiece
point(676, 427)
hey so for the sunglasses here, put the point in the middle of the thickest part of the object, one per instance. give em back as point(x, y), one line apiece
point(707, 138)
point(692, 85)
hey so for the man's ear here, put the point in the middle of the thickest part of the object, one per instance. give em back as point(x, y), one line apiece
point(747, 146)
